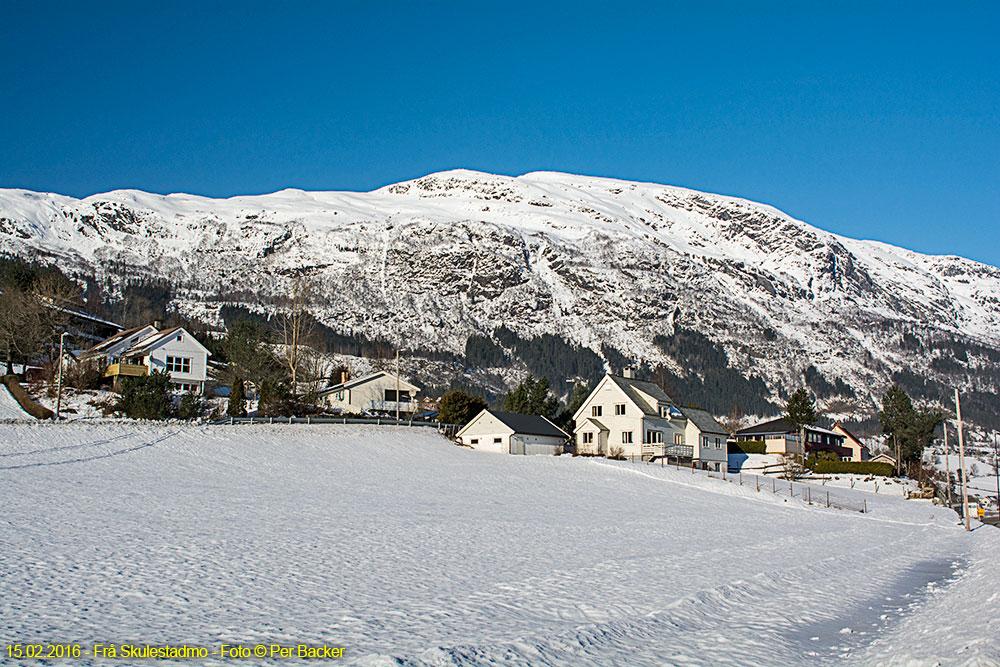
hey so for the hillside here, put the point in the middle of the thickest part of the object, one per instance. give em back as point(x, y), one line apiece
point(624, 271)
point(406, 549)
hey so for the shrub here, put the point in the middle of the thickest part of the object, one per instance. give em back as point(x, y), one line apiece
point(191, 407)
point(617, 453)
point(748, 447)
point(855, 467)
point(145, 396)
point(84, 375)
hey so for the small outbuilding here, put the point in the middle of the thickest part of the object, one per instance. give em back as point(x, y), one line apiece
point(512, 433)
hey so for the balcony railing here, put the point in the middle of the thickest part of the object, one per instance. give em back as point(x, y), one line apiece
point(658, 449)
point(130, 370)
point(390, 406)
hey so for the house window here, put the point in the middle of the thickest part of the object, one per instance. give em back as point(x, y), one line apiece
point(654, 437)
point(678, 438)
point(619, 408)
point(404, 395)
point(588, 438)
point(595, 411)
point(497, 441)
point(626, 437)
point(178, 364)
point(718, 444)
point(180, 338)
point(474, 441)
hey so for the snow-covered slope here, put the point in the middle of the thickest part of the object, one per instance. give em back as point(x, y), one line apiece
point(405, 549)
point(599, 261)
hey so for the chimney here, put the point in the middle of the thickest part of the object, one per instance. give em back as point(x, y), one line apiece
point(627, 372)
point(157, 324)
point(344, 376)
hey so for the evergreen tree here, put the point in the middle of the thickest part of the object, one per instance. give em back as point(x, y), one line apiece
point(237, 399)
point(145, 396)
point(911, 430)
point(800, 411)
point(459, 407)
point(532, 397)
point(581, 390)
point(896, 416)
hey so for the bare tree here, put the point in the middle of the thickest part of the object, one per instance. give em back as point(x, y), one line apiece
point(296, 326)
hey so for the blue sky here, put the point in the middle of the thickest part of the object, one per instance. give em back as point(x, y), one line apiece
point(871, 119)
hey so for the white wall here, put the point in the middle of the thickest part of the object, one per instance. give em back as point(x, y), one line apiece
point(607, 395)
point(715, 454)
point(370, 395)
point(482, 432)
point(181, 344)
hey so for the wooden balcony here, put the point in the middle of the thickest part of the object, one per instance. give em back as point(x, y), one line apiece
point(128, 370)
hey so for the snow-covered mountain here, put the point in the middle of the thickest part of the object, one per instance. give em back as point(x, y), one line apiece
point(597, 261)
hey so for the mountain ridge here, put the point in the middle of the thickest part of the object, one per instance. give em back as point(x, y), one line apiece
point(599, 261)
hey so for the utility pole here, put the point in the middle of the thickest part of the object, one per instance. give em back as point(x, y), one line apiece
point(59, 380)
point(947, 466)
point(996, 468)
point(397, 384)
point(961, 464)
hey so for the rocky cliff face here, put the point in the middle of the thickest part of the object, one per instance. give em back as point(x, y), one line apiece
point(600, 262)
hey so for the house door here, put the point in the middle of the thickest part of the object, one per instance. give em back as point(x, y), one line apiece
point(516, 445)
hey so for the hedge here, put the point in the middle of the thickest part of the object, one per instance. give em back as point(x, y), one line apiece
point(856, 467)
point(748, 447)
point(23, 399)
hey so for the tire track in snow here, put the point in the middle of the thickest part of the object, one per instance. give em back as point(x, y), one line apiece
point(106, 455)
point(65, 447)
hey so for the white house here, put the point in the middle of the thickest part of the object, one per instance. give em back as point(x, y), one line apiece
point(378, 392)
point(144, 349)
point(709, 438)
point(632, 418)
point(512, 433)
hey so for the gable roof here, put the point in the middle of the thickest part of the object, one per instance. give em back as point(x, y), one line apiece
point(632, 388)
point(350, 384)
point(149, 343)
point(114, 340)
point(849, 435)
point(528, 424)
point(583, 424)
point(780, 425)
point(705, 422)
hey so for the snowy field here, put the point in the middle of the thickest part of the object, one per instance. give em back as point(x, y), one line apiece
point(405, 549)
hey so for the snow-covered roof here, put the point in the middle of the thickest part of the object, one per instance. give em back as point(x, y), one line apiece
point(117, 338)
point(149, 343)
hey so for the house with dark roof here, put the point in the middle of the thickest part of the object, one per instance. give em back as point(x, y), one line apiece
point(779, 437)
point(141, 350)
point(512, 433)
point(859, 451)
point(624, 416)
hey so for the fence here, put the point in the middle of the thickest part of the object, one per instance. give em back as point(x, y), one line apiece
point(810, 493)
point(446, 429)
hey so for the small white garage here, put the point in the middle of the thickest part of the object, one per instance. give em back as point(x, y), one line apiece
point(511, 433)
